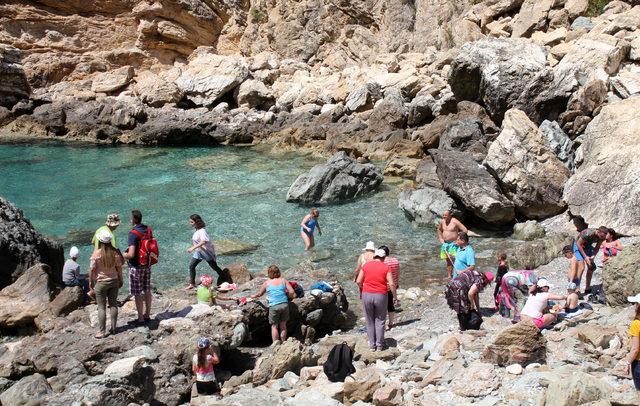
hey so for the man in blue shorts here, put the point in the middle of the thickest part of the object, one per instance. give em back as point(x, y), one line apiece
point(448, 230)
point(585, 252)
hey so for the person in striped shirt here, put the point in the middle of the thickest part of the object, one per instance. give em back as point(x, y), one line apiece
point(394, 267)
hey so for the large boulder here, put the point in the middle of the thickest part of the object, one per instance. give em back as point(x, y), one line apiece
point(528, 231)
point(107, 82)
point(209, 76)
point(340, 179)
point(500, 74)
point(578, 389)
point(473, 186)
point(530, 174)
point(618, 281)
point(22, 247)
point(155, 89)
point(28, 391)
point(363, 385)
point(478, 380)
point(604, 189)
point(68, 300)
point(290, 356)
point(27, 298)
point(540, 251)
point(254, 94)
point(532, 17)
point(425, 206)
point(467, 135)
point(389, 113)
point(521, 343)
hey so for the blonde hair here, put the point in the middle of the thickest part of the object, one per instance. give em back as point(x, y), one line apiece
point(314, 212)
point(108, 255)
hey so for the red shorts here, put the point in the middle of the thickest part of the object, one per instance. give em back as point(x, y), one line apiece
point(539, 322)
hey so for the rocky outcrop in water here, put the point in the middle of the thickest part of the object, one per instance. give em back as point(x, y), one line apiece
point(340, 179)
point(22, 247)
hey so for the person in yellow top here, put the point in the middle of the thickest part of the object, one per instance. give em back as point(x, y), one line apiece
point(633, 359)
point(113, 221)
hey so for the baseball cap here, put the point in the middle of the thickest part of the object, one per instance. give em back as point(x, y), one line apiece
point(203, 342)
point(104, 236)
point(380, 253)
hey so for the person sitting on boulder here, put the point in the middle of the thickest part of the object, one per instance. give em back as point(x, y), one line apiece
point(572, 303)
point(278, 290)
point(536, 309)
point(463, 296)
point(202, 366)
point(611, 245)
point(71, 275)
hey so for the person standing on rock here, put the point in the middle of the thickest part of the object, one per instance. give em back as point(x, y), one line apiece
point(279, 291)
point(113, 221)
point(307, 226)
point(366, 256)
point(202, 250)
point(105, 277)
point(375, 281)
point(633, 358)
point(465, 255)
point(448, 230)
point(394, 268)
point(463, 297)
point(585, 253)
point(139, 275)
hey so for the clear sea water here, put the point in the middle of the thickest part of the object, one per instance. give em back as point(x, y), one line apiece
point(67, 191)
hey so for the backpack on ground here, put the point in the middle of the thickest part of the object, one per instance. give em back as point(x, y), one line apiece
point(148, 249)
point(299, 290)
point(339, 364)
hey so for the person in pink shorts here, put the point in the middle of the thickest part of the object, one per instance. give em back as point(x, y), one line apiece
point(536, 309)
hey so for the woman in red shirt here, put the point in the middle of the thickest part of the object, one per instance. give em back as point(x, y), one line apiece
point(374, 281)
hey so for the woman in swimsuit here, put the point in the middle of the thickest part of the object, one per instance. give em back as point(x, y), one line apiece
point(308, 224)
point(611, 245)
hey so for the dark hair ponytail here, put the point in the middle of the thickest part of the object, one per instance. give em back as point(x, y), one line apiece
point(202, 357)
point(199, 222)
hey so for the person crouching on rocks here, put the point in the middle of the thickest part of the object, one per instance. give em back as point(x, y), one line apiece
point(375, 281)
point(463, 297)
point(279, 291)
point(536, 309)
point(71, 275)
point(633, 358)
point(105, 277)
point(202, 366)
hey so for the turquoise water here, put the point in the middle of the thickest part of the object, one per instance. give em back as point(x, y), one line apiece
point(67, 191)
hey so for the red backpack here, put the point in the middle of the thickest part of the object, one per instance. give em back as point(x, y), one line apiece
point(148, 250)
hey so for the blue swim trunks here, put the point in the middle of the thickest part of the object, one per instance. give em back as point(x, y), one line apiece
point(587, 250)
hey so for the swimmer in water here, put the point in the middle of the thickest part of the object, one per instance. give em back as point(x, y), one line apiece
point(307, 226)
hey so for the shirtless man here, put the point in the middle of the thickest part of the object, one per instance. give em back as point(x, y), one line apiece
point(448, 230)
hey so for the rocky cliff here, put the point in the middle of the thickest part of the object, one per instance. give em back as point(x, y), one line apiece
point(388, 80)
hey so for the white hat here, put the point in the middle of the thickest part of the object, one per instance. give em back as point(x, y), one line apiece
point(74, 252)
point(634, 299)
point(380, 253)
point(543, 283)
point(370, 246)
point(104, 236)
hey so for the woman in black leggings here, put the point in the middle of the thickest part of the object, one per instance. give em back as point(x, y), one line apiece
point(202, 250)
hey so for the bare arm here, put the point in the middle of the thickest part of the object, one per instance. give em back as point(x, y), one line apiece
point(215, 359)
point(392, 286)
point(318, 226)
point(635, 348)
point(460, 226)
point(130, 252)
point(290, 292)
point(303, 224)
point(358, 268)
point(440, 236)
point(360, 278)
point(557, 297)
point(473, 297)
point(618, 245)
point(263, 289)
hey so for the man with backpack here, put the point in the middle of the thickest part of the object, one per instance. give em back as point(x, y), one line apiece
point(141, 253)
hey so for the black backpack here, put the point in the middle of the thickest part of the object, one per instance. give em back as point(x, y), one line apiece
point(339, 364)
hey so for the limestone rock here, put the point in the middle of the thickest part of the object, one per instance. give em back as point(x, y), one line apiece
point(289, 356)
point(254, 94)
point(478, 380)
point(532, 17)
point(559, 142)
point(340, 179)
point(239, 273)
point(27, 298)
point(363, 98)
point(618, 282)
point(209, 76)
point(528, 231)
point(425, 206)
point(108, 82)
point(577, 389)
point(155, 90)
point(68, 300)
point(22, 247)
point(30, 390)
point(402, 166)
point(597, 335)
point(541, 251)
point(312, 397)
point(529, 173)
point(125, 367)
point(473, 186)
point(515, 369)
point(388, 395)
point(362, 385)
point(500, 74)
point(388, 114)
point(626, 84)
point(13, 81)
point(576, 7)
point(521, 343)
point(609, 147)
point(467, 135)
point(426, 174)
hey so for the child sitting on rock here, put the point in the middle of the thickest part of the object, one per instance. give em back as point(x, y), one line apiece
point(206, 294)
point(202, 366)
point(571, 305)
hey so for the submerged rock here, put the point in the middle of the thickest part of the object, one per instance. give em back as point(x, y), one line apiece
point(339, 180)
point(234, 247)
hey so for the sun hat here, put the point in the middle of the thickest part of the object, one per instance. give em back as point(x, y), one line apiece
point(74, 252)
point(113, 220)
point(543, 283)
point(206, 280)
point(489, 276)
point(370, 246)
point(104, 236)
point(572, 286)
point(634, 299)
point(380, 254)
point(203, 342)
